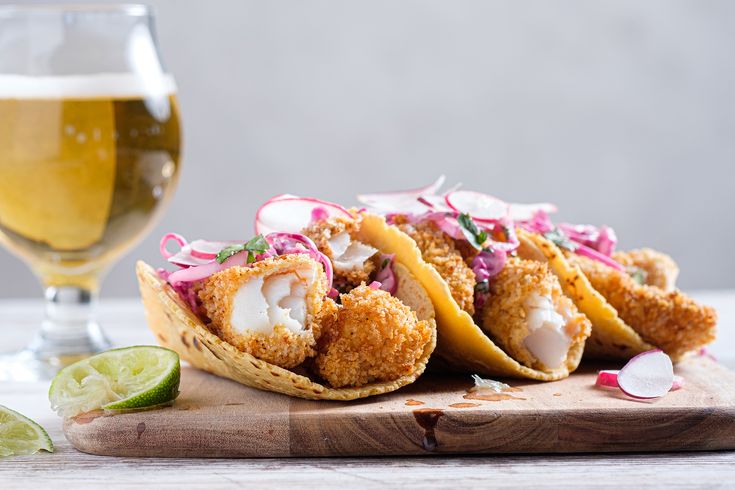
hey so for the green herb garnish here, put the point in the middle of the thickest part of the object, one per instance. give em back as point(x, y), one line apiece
point(256, 245)
point(560, 239)
point(384, 264)
point(638, 275)
point(474, 235)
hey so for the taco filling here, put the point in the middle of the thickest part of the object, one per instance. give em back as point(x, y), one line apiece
point(529, 315)
point(471, 239)
point(518, 303)
point(273, 298)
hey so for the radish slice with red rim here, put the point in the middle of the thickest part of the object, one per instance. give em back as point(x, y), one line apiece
point(481, 207)
point(608, 377)
point(401, 201)
point(185, 258)
point(204, 249)
point(293, 214)
point(647, 375)
point(678, 383)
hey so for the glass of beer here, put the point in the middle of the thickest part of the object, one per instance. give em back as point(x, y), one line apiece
point(89, 156)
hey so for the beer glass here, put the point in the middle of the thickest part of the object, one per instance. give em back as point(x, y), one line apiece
point(89, 156)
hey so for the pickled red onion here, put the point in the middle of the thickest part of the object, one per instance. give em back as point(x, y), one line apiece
point(196, 269)
point(487, 264)
point(164, 241)
point(595, 255)
point(386, 275)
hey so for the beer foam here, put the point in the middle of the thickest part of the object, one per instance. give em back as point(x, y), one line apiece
point(112, 85)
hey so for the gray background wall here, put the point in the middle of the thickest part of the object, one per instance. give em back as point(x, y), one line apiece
point(621, 112)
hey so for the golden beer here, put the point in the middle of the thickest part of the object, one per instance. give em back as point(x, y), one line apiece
point(85, 163)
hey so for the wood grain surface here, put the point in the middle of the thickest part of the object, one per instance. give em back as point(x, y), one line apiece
point(215, 417)
point(123, 320)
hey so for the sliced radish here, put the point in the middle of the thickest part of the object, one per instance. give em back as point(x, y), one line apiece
point(525, 212)
point(478, 205)
point(293, 214)
point(678, 383)
point(401, 201)
point(647, 375)
point(374, 285)
point(185, 258)
point(608, 377)
point(436, 203)
point(204, 249)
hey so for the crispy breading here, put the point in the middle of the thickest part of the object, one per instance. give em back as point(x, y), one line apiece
point(504, 315)
point(660, 269)
point(321, 231)
point(373, 337)
point(669, 320)
point(282, 347)
point(440, 251)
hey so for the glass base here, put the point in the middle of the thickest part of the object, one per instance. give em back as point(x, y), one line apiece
point(46, 355)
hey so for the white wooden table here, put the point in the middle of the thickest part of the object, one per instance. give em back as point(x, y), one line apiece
point(123, 321)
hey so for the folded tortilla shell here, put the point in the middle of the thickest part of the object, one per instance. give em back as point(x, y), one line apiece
point(177, 328)
point(461, 343)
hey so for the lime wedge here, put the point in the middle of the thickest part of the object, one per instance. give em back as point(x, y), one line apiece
point(21, 435)
point(119, 379)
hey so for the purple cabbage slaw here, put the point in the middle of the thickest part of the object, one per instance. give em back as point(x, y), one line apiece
point(196, 268)
point(597, 243)
point(278, 244)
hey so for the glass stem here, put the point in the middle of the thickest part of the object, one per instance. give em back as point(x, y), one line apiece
point(69, 328)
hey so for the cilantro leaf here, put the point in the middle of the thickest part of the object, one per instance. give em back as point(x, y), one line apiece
point(560, 239)
point(472, 233)
point(256, 245)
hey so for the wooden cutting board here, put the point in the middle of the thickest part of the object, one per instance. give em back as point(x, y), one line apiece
point(215, 417)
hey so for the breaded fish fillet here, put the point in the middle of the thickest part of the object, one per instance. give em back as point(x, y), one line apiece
point(373, 337)
point(270, 310)
point(337, 239)
point(669, 320)
point(660, 269)
point(440, 250)
point(530, 318)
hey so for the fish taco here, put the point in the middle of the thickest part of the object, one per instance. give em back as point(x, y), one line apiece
point(629, 297)
point(266, 312)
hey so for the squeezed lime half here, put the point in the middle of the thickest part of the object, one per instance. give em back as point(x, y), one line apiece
point(118, 379)
point(21, 435)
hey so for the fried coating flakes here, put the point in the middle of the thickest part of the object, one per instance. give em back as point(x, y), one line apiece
point(372, 337)
point(284, 343)
point(442, 253)
point(669, 320)
point(514, 292)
